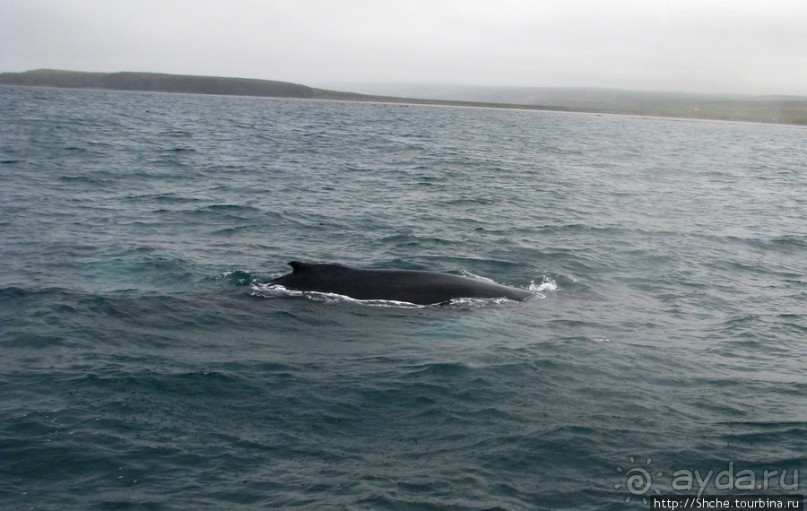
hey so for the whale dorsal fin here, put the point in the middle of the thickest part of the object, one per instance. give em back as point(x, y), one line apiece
point(301, 267)
point(298, 267)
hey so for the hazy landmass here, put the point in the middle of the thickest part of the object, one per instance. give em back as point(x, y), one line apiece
point(771, 109)
point(776, 109)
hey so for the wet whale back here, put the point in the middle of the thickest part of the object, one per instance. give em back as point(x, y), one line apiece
point(420, 287)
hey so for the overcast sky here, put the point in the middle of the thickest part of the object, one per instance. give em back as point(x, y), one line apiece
point(735, 46)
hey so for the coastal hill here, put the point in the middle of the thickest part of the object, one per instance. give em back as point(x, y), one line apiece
point(771, 109)
point(156, 82)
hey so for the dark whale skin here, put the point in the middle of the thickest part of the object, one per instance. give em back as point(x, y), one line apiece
point(418, 287)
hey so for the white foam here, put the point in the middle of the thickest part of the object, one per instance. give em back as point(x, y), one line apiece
point(478, 302)
point(275, 291)
point(547, 284)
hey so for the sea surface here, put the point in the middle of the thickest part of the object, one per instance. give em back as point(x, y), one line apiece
point(145, 364)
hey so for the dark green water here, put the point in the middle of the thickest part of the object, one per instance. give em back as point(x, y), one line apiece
point(146, 366)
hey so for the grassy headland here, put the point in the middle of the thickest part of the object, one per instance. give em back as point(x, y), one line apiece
point(770, 109)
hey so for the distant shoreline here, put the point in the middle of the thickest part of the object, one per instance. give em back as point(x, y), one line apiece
point(778, 110)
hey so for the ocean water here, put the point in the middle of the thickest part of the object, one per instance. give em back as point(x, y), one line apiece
point(145, 364)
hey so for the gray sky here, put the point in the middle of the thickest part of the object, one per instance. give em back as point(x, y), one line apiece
point(734, 46)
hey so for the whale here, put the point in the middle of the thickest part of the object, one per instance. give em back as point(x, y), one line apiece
point(412, 286)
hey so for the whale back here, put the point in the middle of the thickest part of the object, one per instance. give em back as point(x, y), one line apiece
point(419, 287)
